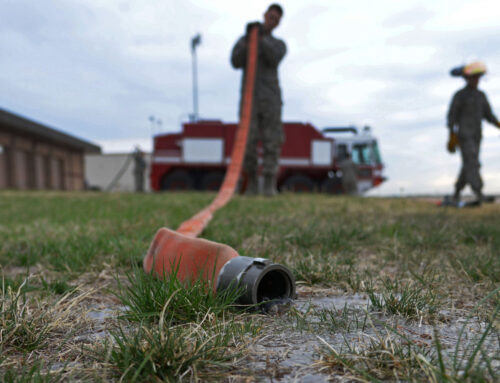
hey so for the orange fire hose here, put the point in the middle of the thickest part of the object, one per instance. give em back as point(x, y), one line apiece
point(191, 257)
point(195, 225)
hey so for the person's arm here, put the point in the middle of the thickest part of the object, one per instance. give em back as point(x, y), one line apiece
point(488, 114)
point(272, 50)
point(453, 112)
point(239, 53)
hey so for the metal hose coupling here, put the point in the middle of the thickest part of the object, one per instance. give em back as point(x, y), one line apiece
point(260, 280)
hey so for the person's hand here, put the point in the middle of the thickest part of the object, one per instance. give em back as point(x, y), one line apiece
point(452, 143)
point(251, 25)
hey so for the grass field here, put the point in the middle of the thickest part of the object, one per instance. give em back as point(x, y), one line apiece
point(414, 291)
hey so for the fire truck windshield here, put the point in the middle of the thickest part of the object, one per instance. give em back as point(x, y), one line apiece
point(376, 153)
point(366, 153)
point(361, 154)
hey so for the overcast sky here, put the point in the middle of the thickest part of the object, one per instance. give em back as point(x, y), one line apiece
point(99, 68)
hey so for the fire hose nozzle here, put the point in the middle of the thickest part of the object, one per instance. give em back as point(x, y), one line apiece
point(260, 280)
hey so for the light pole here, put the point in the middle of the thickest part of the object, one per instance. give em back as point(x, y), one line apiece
point(195, 41)
point(152, 120)
point(155, 121)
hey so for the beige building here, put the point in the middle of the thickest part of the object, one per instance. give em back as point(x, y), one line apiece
point(114, 171)
point(34, 156)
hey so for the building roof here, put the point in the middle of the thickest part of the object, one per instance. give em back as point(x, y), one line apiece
point(21, 124)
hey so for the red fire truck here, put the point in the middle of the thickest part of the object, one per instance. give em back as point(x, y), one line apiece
point(197, 157)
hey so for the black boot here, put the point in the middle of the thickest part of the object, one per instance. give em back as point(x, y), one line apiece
point(479, 198)
point(270, 186)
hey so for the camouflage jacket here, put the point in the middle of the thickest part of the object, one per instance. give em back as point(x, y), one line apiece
point(349, 170)
point(271, 52)
point(468, 107)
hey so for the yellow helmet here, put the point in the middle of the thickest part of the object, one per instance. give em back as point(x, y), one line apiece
point(476, 68)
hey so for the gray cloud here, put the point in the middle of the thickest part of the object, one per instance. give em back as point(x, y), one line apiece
point(478, 40)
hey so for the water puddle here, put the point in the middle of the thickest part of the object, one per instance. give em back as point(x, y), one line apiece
point(99, 314)
point(103, 313)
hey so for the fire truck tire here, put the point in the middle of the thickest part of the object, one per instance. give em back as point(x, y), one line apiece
point(332, 185)
point(177, 180)
point(212, 181)
point(298, 183)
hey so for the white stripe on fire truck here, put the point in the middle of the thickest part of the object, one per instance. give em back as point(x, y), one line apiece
point(166, 160)
point(283, 161)
point(295, 161)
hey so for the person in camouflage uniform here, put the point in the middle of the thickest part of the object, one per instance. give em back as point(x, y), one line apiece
point(265, 123)
point(468, 107)
point(139, 169)
point(349, 175)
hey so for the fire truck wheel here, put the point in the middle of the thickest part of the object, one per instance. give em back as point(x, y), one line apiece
point(298, 183)
point(212, 181)
point(331, 185)
point(177, 180)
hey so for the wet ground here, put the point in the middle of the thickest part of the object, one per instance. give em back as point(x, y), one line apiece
point(290, 349)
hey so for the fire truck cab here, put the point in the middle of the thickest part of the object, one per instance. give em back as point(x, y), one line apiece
point(197, 157)
point(364, 151)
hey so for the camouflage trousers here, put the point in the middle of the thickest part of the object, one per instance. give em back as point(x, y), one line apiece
point(469, 174)
point(139, 181)
point(350, 185)
point(265, 127)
